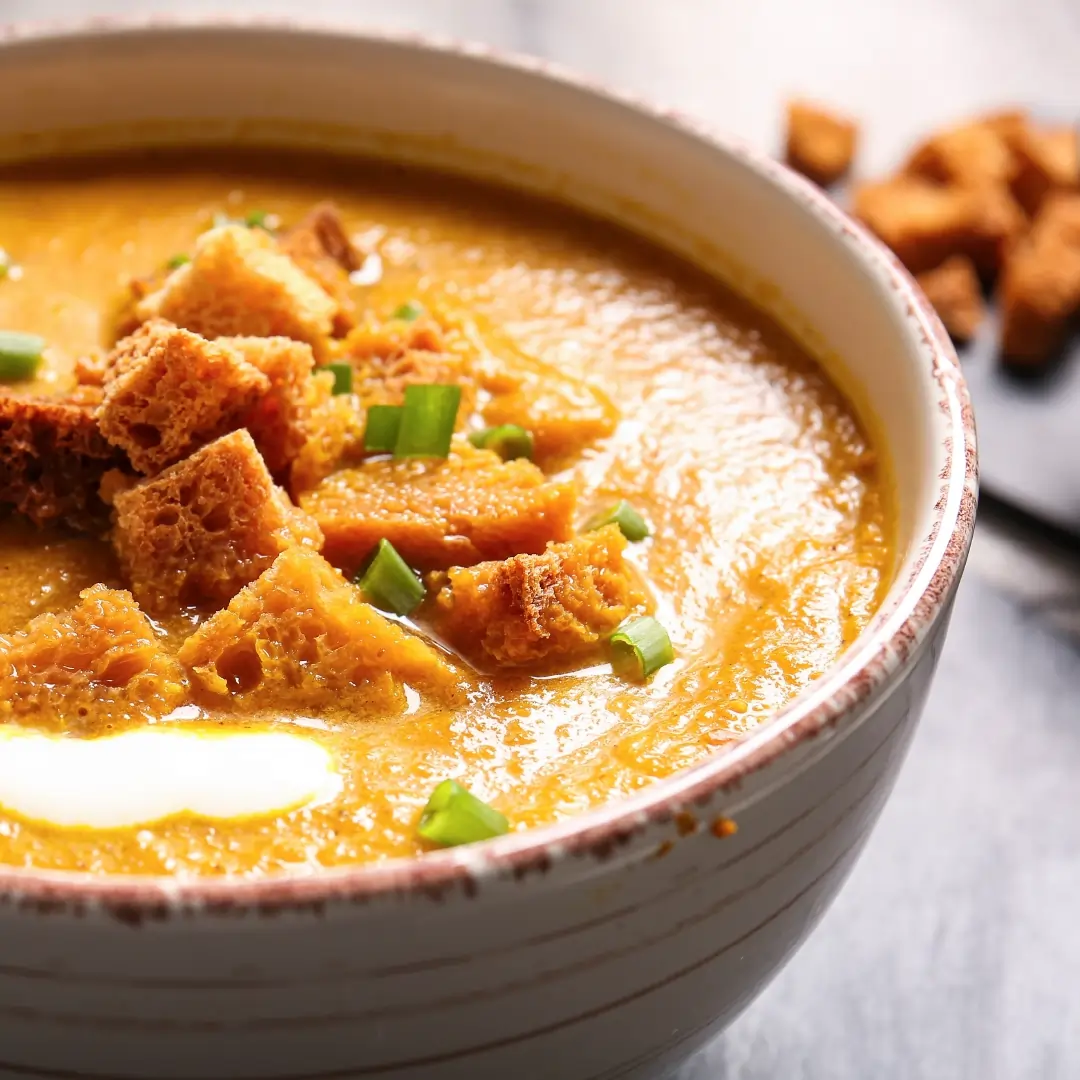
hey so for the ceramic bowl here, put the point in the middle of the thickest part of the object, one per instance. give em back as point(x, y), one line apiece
point(610, 945)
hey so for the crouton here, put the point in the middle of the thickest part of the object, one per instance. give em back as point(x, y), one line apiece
point(52, 459)
point(439, 513)
point(169, 391)
point(319, 245)
point(1048, 160)
point(90, 369)
point(975, 154)
point(393, 338)
point(238, 284)
point(197, 533)
point(96, 667)
point(820, 143)
point(382, 381)
point(301, 637)
point(280, 419)
point(924, 223)
point(549, 607)
point(953, 289)
point(335, 438)
point(1040, 286)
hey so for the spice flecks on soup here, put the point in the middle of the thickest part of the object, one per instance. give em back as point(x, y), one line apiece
point(530, 518)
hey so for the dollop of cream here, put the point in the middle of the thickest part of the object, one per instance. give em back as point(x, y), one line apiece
point(143, 776)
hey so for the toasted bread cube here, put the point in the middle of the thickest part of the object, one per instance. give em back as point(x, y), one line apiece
point(976, 154)
point(953, 288)
point(1048, 161)
point(169, 391)
point(393, 338)
point(301, 637)
point(197, 533)
point(820, 143)
point(924, 223)
point(319, 245)
point(1040, 286)
point(52, 459)
point(238, 284)
point(335, 438)
point(96, 667)
point(279, 421)
point(554, 606)
point(438, 513)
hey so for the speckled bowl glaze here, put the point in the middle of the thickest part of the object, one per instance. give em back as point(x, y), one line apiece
point(611, 945)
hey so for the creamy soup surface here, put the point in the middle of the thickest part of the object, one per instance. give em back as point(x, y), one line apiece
point(770, 545)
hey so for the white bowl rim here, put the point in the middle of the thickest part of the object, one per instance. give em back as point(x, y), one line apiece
point(894, 636)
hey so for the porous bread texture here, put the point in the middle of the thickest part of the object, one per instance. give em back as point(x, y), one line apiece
point(557, 605)
point(197, 533)
point(169, 391)
point(301, 637)
point(94, 668)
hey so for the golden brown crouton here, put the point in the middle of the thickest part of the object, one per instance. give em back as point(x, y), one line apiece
point(96, 667)
point(169, 391)
point(52, 459)
point(1040, 286)
point(335, 437)
point(470, 507)
point(530, 608)
point(820, 143)
point(279, 421)
point(924, 223)
point(1048, 160)
point(975, 154)
point(393, 338)
point(319, 245)
point(301, 637)
point(201, 530)
point(239, 284)
point(953, 288)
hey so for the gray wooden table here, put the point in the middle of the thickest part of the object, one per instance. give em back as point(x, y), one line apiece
point(954, 951)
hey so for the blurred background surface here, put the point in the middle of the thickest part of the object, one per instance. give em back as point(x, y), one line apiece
point(954, 951)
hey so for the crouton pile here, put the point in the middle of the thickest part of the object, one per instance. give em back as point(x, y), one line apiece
point(219, 447)
point(991, 202)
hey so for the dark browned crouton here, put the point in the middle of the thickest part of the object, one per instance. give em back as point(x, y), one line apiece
point(300, 636)
point(553, 606)
point(319, 245)
point(52, 459)
point(239, 284)
point(820, 143)
point(197, 533)
point(1048, 161)
point(1040, 286)
point(924, 223)
point(169, 391)
point(440, 513)
point(96, 667)
point(953, 288)
point(976, 154)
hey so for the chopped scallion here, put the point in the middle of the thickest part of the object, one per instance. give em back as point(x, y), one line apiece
point(177, 261)
point(409, 312)
point(631, 524)
point(342, 378)
point(382, 427)
point(257, 219)
point(20, 355)
point(5, 263)
point(640, 647)
point(387, 582)
point(509, 441)
point(454, 815)
point(427, 423)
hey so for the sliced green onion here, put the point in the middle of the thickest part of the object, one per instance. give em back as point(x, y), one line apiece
point(382, 427)
point(6, 263)
point(342, 377)
point(509, 441)
point(20, 355)
point(409, 312)
point(631, 524)
point(257, 219)
point(639, 647)
point(455, 816)
point(428, 421)
point(387, 582)
point(177, 261)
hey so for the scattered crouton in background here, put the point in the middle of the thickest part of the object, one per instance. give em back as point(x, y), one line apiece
point(820, 143)
point(953, 288)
